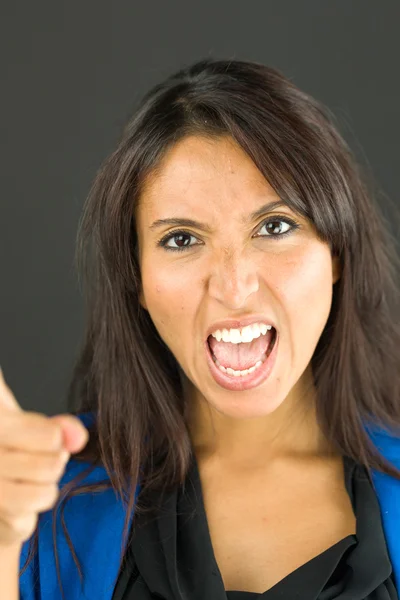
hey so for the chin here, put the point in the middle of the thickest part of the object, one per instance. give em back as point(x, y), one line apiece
point(251, 404)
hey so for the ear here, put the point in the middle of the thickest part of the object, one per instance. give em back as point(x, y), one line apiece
point(336, 269)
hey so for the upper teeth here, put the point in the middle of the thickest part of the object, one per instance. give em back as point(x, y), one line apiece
point(245, 334)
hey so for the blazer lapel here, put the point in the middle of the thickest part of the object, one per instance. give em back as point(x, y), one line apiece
point(95, 524)
point(388, 492)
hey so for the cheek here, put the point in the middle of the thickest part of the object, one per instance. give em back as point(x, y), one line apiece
point(305, 289)
point(168, 298)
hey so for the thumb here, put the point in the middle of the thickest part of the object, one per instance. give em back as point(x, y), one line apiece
point(7, 398)
point(75, 435)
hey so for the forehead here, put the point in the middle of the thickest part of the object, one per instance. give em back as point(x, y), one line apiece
point(199, 173)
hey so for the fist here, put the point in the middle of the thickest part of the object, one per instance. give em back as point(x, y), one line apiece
point(34, 450)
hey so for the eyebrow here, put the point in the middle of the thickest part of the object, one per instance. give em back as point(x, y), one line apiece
point(198, 225)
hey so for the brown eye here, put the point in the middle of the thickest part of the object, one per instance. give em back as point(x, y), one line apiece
point(179, 240)
point(277, 227)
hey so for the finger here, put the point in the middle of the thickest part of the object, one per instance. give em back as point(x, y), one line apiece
point(30, 431)
point(75, 434)
point(21, 498)
point(7, 398)
point(37, 467)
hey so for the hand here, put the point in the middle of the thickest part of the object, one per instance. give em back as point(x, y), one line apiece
point(34, 450)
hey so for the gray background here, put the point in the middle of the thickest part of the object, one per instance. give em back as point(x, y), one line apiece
point(72, 72)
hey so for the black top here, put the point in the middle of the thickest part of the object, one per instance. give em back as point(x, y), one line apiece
point(171, 556)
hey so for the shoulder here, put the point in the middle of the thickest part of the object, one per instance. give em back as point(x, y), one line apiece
point(386, 440)
point(94, 522)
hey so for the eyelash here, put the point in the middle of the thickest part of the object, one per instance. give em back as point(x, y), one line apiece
point(163, 241)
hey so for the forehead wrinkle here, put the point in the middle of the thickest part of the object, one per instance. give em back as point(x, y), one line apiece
point(182, 173)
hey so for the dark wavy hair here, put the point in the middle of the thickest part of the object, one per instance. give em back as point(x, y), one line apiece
point(125, 374)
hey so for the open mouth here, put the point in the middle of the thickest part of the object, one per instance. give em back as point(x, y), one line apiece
point(238, 359)
point(242, 359)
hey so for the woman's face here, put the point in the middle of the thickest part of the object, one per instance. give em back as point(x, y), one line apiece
point(214, 255)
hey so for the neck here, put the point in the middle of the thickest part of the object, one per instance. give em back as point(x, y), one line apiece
point(290, 431)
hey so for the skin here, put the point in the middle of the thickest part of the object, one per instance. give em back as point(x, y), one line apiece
point(231, 270)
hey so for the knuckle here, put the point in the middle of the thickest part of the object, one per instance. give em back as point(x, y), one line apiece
point(55, 436)
point(43, 496)
point(47, 469)
point(51, 436)
point(23, 524)
point(19, 500)
point(56, 467)
point(51, 495)
point(24, 466)
point(49, 431)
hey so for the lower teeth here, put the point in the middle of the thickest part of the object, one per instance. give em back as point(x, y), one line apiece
point(243, 373)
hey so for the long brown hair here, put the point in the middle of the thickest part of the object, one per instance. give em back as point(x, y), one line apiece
point(127, 377)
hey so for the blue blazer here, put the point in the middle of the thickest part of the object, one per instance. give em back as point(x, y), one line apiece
point(95, 524)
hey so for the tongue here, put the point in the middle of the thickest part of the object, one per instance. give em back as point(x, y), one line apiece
point(240, 356)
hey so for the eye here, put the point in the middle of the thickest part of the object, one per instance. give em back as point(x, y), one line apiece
point(177, 241)
point(277, 227)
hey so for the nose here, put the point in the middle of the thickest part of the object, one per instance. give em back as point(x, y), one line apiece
point(233, 278)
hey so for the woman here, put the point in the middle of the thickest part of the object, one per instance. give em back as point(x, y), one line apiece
point(239, 375)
